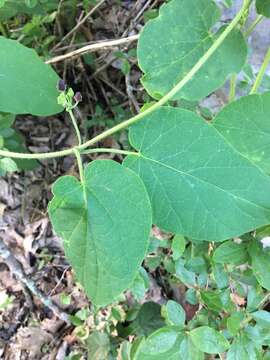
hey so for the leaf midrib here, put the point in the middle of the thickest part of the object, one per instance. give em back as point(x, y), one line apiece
point(183, 173)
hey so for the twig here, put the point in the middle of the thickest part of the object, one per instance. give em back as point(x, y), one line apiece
point(82, 21)
point(17, 270)
point(131, 97)
point(92, 48)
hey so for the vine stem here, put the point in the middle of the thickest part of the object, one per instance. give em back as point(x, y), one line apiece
point(81, 172)
point(232, 87)
point(261, 73)
point(109, 150)
point(75, 125)
point(258, 19)
point(146, 112)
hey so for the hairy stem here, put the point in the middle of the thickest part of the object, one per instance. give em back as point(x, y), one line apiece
point(148, 111)
point(261, 73)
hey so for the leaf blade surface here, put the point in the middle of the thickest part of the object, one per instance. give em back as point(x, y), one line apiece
point(107, 241)
point(198, 185)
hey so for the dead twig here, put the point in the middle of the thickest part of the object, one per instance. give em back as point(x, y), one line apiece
point(79, 23)
point(17, 270)
point(92, 48)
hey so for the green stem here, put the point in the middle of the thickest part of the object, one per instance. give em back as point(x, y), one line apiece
point(148, 111)
point(109, 150)
point(253, 25)
point(81, 172)
point(232, 87)
point(75, 125)
point(261, 73)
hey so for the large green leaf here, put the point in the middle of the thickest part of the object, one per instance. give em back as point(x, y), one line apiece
point(106, 241)
point(171, 44)
point(263, 7)
point(209, 340)
point(162, 344)
point(245, 124)
point(199, 186)
point(27, 85)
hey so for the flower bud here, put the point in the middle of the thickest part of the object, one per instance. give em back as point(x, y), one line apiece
point(61, 85)
point(77, 97)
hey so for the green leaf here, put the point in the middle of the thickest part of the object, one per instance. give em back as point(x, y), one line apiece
point(262, 318)
point(220, 276)
point(6, 120)
point(174, 313)
point(186, 276)
point(178, 246)
point(209, 340)
point(263, 7)
point(2, 3)
point(188, 351)
point(171, 44)
point(230, 252)
point(140, 284)
point(234, 322)
point(106, 241)
point(245, 125)
point(260, 262)
point(162, 344)
point(27, 85)
point(199, 186)
point(14, 7)
point(148, 319)
point(254, 298)
point(98, 345)
point(31, 3)
point(242, 349)
point(212, 299)
point(7, 165)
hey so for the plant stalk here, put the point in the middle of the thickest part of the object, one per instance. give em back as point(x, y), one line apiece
point(258, 19)
point(75, 125)
point(232, 87)
point(261, 73)
point(148, 111)
point(81, 172)
point(109, 150)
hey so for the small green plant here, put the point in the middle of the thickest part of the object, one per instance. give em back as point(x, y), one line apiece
point(206, 183)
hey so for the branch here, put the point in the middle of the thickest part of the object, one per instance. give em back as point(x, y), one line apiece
point(92, 48)
point(80, 23)
point(17, 270)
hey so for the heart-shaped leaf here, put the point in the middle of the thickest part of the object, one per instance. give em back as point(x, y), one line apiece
point(27, 85)
point(106, 240)
point(171, 44)
point(199, 186)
